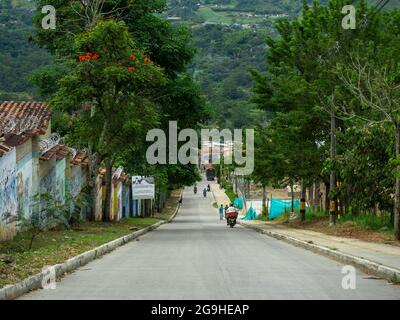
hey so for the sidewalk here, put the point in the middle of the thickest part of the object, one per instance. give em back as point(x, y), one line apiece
point(219, 195)
point(380, 259)
point(380, 253)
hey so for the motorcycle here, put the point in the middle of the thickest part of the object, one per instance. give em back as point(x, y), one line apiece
point(205, 194)
point(195, 190)
point(231, 217)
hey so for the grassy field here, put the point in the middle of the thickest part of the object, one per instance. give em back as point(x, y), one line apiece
point(29, 4)
point(228, 17)
point(210, 15)
point(53, 247)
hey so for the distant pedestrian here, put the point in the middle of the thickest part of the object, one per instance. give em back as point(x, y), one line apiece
point(180, 200)
point(221, 212)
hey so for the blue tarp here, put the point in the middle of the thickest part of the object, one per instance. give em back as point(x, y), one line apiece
point(251, 214)
point(279, 207)
point(238, 203)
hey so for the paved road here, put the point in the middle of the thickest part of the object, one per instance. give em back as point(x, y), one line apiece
point(199, 257)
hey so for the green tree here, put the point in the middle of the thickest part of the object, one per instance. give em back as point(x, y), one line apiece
point(109, 90)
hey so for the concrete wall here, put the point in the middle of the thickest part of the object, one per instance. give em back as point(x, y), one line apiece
point(59, 192)
point(8, 195)
point(98, 210)
point(126, 211)
point(47, 177)
point(25, 187)
point(119, 200)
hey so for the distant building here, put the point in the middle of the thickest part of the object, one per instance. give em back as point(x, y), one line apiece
point(174, 18)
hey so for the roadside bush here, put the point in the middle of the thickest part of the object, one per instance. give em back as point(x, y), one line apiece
point(48, 213)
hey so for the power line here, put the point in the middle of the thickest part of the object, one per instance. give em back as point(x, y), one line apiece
point(381, 4)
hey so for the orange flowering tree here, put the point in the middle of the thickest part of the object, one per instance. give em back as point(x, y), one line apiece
point(109, 91)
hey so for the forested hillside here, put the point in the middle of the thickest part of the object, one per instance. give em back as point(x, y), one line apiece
point(19, 57)
point(230, 37)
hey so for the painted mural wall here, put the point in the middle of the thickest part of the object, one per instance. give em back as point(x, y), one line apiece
point(119, 201)
point(47, 178)
point(24, 185)
point(60, 180)
point(8, 195)
point(125, 201)
point(76, 181)
point(113, 202)
point(99, 199)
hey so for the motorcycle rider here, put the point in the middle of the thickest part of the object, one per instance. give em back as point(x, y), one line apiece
point(195, 189)
point(230, 209)
point(205, 192)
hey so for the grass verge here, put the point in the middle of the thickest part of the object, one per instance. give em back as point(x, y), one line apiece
point(365, 227)
point(56, 246)
point(229, 191)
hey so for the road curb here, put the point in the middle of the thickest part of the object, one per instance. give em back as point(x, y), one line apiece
point(34, 282)
point(368, 266)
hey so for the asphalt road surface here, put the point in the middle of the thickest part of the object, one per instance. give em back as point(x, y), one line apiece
point(199, 257)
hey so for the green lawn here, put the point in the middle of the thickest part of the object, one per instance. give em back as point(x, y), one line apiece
point(55, 247)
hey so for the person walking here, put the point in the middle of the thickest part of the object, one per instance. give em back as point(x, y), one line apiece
point(221, 212)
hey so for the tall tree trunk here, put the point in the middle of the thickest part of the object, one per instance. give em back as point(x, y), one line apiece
point(303, 190)
point(397, 195)
point(317, 200)
point(107, 206)
point(332, 180)
point(327, 190)
point(93, 173)
point(93, 195)
point(264, 200)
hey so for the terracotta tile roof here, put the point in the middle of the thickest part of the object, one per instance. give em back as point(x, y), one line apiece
point(80, 158)
point(58, 151)
point(4, 149)
point(122, 178)
point(20, 121)
point(37, 114)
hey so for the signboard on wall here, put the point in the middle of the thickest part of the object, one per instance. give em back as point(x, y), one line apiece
point(143, 188)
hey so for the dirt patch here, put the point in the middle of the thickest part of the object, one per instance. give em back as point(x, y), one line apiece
point(170, 205)
point(343, 229)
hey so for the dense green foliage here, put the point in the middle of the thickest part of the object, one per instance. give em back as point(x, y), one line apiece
point(314, 67)
point(230, 37)
point(18, 56)
point(136, 82)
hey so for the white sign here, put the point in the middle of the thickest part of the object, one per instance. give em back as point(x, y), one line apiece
point(143, 188)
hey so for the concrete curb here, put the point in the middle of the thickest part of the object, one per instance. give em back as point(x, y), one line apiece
point(368, 266)
point(35, 282)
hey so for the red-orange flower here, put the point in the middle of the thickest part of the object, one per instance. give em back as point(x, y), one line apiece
point(82, 58)
point(95, 56)
point(131, 68)
point(147, 60)
point(132, 57)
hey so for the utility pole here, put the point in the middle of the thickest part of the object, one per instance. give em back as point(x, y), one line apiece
point(332, 207)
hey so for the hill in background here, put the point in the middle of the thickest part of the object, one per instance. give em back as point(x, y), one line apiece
point(18, 56)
